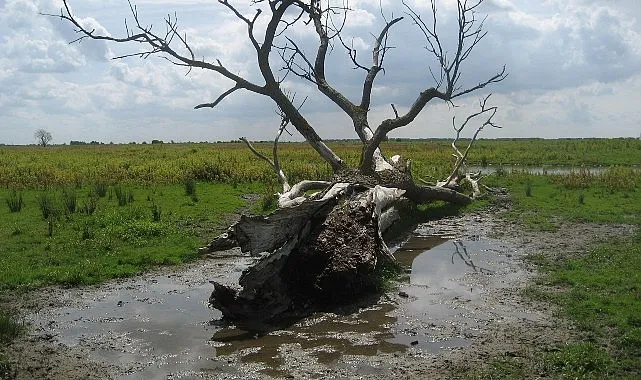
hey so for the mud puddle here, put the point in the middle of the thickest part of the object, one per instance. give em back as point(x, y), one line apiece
point(448, 289)
point(160, 325)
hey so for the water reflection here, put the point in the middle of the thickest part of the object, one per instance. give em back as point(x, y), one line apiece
point(157, 326)
point(437, 264)
point(460, 251)
point(324, 336)
point(541, 170)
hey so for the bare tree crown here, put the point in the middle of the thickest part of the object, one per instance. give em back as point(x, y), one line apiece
point(42, 137)
point(327, 19)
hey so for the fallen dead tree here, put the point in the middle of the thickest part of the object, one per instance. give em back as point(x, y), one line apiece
point(324, 248)
point(321, 252)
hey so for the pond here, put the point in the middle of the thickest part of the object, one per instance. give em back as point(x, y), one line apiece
point(541, 170)
point(160, 325)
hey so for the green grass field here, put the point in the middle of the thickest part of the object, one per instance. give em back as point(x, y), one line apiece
point(107, 237)
point(599, 291)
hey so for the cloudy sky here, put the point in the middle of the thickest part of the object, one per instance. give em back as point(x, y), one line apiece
point(574, 71)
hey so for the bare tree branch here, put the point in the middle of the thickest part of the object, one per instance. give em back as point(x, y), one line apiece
point(470, 33)
point(316, 14)
point(250, 23)
point(352, 52)
point(461, 157)
point(378, 56)
point(157, 45)
point(183, 55)
point(219, 99)
point(282, 179)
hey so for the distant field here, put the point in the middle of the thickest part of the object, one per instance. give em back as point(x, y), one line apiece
point(37, 167)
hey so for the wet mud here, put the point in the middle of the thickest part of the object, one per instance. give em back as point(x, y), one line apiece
point(460, 294)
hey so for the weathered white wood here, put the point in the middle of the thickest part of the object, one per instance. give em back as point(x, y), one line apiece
point(296, 194)
point(383, 197)
point(388, 218)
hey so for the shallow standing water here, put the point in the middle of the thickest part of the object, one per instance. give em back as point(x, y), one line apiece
point(159, 325)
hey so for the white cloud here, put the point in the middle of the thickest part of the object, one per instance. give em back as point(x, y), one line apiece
point(33, 42)
point(575, 70)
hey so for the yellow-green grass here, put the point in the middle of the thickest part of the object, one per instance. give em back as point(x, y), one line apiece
point(38, 167)
point(544, 201)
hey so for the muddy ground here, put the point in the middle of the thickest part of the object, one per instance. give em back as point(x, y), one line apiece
point(459, 304)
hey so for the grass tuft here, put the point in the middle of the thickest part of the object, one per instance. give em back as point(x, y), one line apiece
point(48, 206)
point(190, 186)
point(15, 201)
point(124, 196)
point(69, 200)
point(90, 205)
point(9, 327)
point(100, 189)
point(269, 199)
point(156, 212)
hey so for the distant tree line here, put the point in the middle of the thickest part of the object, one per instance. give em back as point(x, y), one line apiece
point(76, 142)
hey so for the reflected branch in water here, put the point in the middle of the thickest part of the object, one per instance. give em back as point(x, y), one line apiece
point(461, 251)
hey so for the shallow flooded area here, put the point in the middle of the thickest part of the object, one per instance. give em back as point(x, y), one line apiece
point(159, 326)
point(543, 170)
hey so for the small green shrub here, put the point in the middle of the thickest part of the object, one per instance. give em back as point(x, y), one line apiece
point(48, 206)
point(69, 200)
point(123, 196)
point(15, 201)
point(528, 189)
point(190, 186)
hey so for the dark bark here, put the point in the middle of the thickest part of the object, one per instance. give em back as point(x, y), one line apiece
point(320, 254)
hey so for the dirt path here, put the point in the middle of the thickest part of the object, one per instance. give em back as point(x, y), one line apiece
point(459, 305)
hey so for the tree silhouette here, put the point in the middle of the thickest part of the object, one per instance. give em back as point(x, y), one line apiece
point(43, 137)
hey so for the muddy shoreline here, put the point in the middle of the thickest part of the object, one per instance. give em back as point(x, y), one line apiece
point(157, 325)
